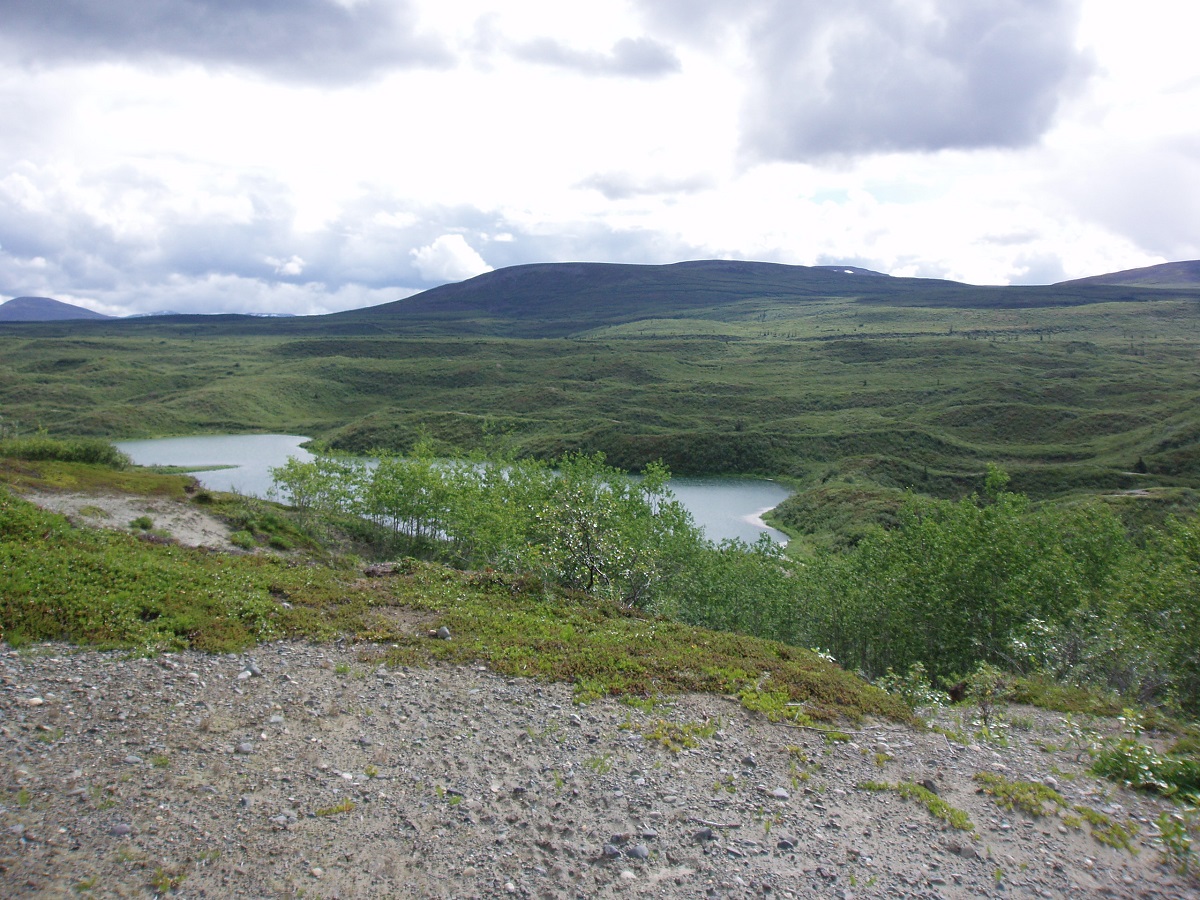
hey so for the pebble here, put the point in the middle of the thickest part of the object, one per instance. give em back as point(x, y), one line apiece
point(638, 851)
point(121, 830)
point(132, 760)
point(780, 794)
point(245, 747)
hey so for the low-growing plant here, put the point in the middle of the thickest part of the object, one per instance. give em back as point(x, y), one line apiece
point(243, 540)
point(1109, 831)
point(939, 808)
point(166, 880)
point(601, 764)
point(1027, 796)
point(1139, 765)
point(913, 687)
point(678, 736)
point(1179, 829)
point(342, 806)
point(142, 523)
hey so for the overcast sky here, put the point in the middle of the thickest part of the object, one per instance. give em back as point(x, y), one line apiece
point(307, 156)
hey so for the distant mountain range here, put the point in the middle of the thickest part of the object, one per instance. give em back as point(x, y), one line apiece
point(557, 299)
point(43, 309)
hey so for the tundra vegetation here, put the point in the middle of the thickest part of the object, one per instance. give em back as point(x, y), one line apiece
point(1071, 567)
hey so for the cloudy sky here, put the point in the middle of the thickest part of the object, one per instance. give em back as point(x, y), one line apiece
point(307, 156)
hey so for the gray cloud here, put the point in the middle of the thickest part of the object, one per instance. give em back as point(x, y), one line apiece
point(1148, 194)
point(869, 76)
point(296, 40)
point(60, 242)
point(629, 58)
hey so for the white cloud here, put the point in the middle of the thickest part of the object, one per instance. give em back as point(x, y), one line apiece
point(288, 267)
point(140, 163)
point(449, 258)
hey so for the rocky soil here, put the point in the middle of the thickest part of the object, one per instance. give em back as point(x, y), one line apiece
point(314, 771)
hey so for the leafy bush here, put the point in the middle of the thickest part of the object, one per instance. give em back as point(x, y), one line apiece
point(80, 450)
point(956, 584)
point(1139, 765)
point(582, 524)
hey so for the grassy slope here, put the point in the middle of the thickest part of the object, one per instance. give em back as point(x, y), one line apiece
point(59, 582)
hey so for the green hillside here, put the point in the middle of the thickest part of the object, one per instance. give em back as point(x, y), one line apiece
point(854, 382)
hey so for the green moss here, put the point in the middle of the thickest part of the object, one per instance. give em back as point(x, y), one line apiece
point(937, 807)
point(1028, 796)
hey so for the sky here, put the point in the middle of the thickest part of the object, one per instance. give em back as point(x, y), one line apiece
point(308, 156)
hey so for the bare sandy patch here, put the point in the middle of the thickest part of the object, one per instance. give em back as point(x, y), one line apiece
point(180, 519)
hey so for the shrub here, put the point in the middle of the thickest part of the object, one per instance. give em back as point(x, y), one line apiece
point(78, 450)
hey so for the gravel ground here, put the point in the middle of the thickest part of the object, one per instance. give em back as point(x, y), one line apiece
point(314, 771)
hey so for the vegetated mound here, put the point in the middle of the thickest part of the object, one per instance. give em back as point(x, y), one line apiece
point(44, 309)
point(1185, 274)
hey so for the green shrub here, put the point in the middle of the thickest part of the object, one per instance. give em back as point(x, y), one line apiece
point(243, 539)
point(1140, 766)
point(79, 450)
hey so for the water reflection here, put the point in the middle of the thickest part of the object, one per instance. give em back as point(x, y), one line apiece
point(725, 508)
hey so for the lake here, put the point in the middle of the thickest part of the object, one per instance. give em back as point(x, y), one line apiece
point(725, 508)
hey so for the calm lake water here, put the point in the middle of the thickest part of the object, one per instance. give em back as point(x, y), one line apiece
point(724, 507)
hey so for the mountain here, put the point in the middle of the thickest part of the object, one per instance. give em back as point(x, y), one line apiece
point(557, 299)
point(43, 309)
point(1166, 275)
point(564, 299)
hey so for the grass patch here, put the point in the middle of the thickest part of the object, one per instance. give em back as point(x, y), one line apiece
point(937, 807)
point(343, 806)
point(1068, 698)
point(677, 736)
point(1038, 800)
